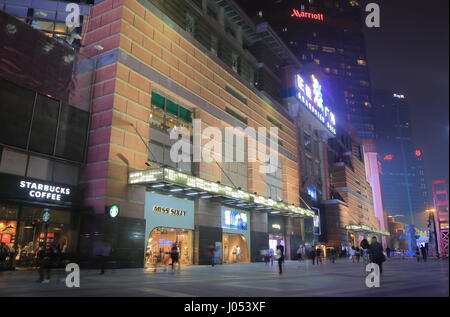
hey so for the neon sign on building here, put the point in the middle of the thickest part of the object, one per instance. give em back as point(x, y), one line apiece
point(306, 15)
point(311, 96)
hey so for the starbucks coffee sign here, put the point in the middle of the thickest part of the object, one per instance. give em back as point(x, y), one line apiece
point(168, 211)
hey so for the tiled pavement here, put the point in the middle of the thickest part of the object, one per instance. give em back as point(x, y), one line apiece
point(400, 278)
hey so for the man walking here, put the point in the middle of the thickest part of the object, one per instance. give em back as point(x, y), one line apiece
point(280, 256)
point(313, 255)
point(376, 253)
point(423, 250)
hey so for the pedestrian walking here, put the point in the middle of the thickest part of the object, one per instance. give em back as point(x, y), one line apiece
point(388, 252)
point(352, 253)
point(102, 253)
point(313, 254)
point(175, 257)
point(4, 251)
point(376, 253)
point(333, 255)
point(44, 259)
point(265, 256)
point(423, 251)
point(280, 256)
point(365, 251)
point(299, 253)
point(271, 255)
point(319, 256)
point(417, 254)
point(212, 252)
point(357, 254)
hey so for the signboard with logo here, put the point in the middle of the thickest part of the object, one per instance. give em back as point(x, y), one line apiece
point(18, 188)
point(164, 211)
point(309, 92)
point(234, 219)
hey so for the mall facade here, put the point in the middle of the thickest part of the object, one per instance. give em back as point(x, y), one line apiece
point(89, 158)
point(164, 65)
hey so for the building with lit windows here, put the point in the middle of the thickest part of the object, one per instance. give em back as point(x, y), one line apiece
point(403, 179)
point(164, 65)
point(335, 42)
point(45, 115)
point(49, 16)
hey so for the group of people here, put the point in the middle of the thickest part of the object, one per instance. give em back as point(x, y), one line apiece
point(162, 258)
point(421, 253)
point(48, 257)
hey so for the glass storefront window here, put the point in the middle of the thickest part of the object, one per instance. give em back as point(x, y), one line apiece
point(234, 248)
point(32, 233)
point(160, 243)
point(8, 212)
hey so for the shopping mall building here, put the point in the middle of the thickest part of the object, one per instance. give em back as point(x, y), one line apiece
point(86, 155)
point(43, 136)
point(164, 65)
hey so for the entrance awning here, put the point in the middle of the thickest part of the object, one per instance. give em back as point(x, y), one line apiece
point(367, 229)
point(181, 184)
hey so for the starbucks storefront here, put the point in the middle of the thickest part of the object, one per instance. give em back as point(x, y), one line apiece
point(36, 214)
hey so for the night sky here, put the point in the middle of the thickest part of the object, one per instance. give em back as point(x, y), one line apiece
point(409, 53)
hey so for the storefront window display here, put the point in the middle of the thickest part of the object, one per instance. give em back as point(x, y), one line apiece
point(160, 243)
point(234, 248)
point(28, 232)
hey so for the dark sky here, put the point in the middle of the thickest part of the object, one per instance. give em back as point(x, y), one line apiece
point(409, 53)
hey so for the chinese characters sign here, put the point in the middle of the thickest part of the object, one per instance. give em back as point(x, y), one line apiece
point(311, 96)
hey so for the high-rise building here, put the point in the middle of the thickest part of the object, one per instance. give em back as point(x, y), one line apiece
point(403, 180)
point(328, 33)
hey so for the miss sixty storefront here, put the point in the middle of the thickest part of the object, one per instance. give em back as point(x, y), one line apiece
point(202, 218)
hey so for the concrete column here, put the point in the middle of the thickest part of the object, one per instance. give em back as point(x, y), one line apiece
point(221, 16)
point(239, 35)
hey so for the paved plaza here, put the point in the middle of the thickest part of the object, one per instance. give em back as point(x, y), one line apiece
point(400, 278)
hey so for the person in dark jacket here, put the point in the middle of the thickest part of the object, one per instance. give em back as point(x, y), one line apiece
point(45, 257)
point(376, 253)
point(312, 254)
point(175, 256)
point(423, 250)
point(280, 256)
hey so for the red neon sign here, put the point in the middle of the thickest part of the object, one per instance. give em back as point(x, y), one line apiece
point(388, 157)
point(307, 15)
point(418, 153)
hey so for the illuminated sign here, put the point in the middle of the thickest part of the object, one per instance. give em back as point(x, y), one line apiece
point(168, 211)
point(418, 153)
point(113, 211)
point(182, 179)
point(366, 228)
point(399, 96)
point(44, 191)
point(276, 226)
point(316, 222)
point(311, 96)
point(46, 216)
point(306, 15)
point(235, 220)
point(388, 157)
